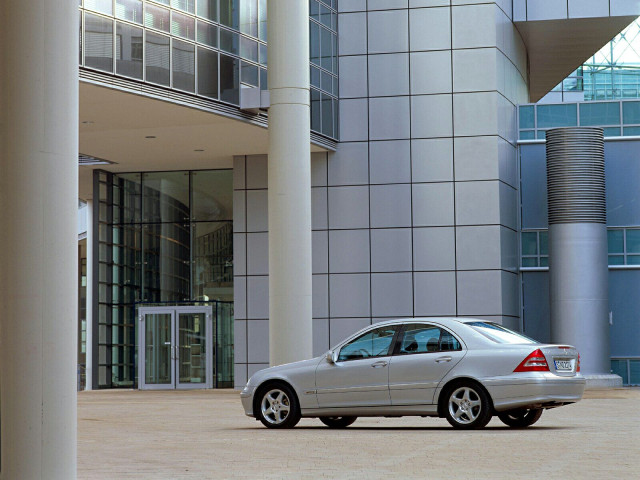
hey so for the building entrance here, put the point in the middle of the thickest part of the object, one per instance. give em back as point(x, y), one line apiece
point(176, 348)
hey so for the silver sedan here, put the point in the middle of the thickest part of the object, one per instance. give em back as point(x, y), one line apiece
point(464, 370)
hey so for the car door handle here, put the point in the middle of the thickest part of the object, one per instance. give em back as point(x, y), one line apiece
point(443, 359)
point(379, 364)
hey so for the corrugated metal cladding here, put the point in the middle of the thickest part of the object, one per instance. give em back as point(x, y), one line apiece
point(575, 175)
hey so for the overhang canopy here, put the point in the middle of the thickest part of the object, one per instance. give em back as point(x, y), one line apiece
point(557, 47)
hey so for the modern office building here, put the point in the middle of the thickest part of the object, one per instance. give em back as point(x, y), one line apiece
point(415, 187)
point(245, 210)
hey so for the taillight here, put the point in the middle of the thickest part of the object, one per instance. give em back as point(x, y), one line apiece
point(578, 369)
point(535, 362)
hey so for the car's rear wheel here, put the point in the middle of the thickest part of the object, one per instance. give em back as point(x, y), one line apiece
point(468, 406)
point(278, 406)
point(338, 422)
point(520, 417)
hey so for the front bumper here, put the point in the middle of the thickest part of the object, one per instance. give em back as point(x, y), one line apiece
point(246, 397)
point(537, 389)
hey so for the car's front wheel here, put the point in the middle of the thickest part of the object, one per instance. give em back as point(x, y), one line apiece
point(520, 417)
point(468, 406)
point(278, 406)
point(338, 422)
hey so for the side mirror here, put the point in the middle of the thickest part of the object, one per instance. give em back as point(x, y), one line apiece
point(332, 357)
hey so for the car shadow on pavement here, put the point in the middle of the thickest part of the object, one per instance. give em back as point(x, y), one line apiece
point(496, 429)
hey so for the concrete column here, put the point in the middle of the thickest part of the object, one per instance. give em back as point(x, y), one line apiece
point(290, 328)
point(578, 273)
point(39, 241)
point(89, 306)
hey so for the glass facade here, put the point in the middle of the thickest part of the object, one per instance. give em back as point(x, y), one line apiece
point(208, 48)
point(623, 247)
point(163, 237)
point(611, 73)
point(616, 118)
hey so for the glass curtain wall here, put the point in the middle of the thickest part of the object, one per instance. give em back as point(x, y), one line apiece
point(208, 48)
point(163, 238)
point(611, 73)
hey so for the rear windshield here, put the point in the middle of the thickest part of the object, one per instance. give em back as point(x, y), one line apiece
point(498, 333)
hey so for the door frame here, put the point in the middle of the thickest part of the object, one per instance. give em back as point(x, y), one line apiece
point(175, 311)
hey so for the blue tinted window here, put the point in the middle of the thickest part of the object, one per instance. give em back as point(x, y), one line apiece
point(630, 112)
point(550, 116)
point(600, 113)
point(529, 243)
point(527, 117)
point(631, 131)
point(527, 135)
point(615, 240)
point(611, 131)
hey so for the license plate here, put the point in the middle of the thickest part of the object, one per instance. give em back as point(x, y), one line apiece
point(564, 365)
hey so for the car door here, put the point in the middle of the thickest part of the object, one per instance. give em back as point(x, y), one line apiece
point(424, 354)
point(360, 374)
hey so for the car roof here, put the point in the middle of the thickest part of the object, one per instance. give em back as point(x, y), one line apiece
point(440, 320)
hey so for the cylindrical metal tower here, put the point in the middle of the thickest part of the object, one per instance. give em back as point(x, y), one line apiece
point(578, 271)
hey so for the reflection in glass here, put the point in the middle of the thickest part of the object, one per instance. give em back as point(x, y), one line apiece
point(229, 79)
point(327, 116)
point(186, 5)
point(126, 197)
point(157, 340)
point(229, 13)
point(183, 26)
point(224, 345)
point(229, 41)
point(102, 6)
point(192, 358)
point(250, 74)
point(207, 34)
point(157, 59)
point(166, 197)
point(213, 261)
point(326, 42)
point(249, 49)
point(128, 50)
point(157, 17)
point(207, 73)
point(98, 43)
point(184, 65)
point(315, 111)
point(130, 10)
point(249, 17)
point(262, 20)
point(207, 9)
point(166, 262)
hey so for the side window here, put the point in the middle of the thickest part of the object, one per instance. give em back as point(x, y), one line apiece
point(374, 343)
point(425, 339)
point(420, 339)
point(448, 342)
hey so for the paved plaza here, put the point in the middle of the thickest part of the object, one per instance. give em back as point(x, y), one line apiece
point(204, 434)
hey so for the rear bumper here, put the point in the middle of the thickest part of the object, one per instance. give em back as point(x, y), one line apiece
point(540, 389)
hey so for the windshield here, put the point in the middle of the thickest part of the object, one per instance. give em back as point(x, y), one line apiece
point(498, 333)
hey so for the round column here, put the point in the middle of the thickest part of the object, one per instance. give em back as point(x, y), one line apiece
point(578, 271)
point(38, 245)
point(289, 197)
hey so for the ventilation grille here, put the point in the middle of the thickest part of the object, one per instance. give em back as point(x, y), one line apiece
point(575, 175)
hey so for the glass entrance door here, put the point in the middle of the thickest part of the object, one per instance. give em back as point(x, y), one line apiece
point(175, 348)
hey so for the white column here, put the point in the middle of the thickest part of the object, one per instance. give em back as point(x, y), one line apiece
point(89, 296)
point(290, 328)
point(38, 245)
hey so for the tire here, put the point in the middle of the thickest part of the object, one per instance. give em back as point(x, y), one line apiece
point(520, 417)
point(467, 406)
point(277, 406)
point(338, 422)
